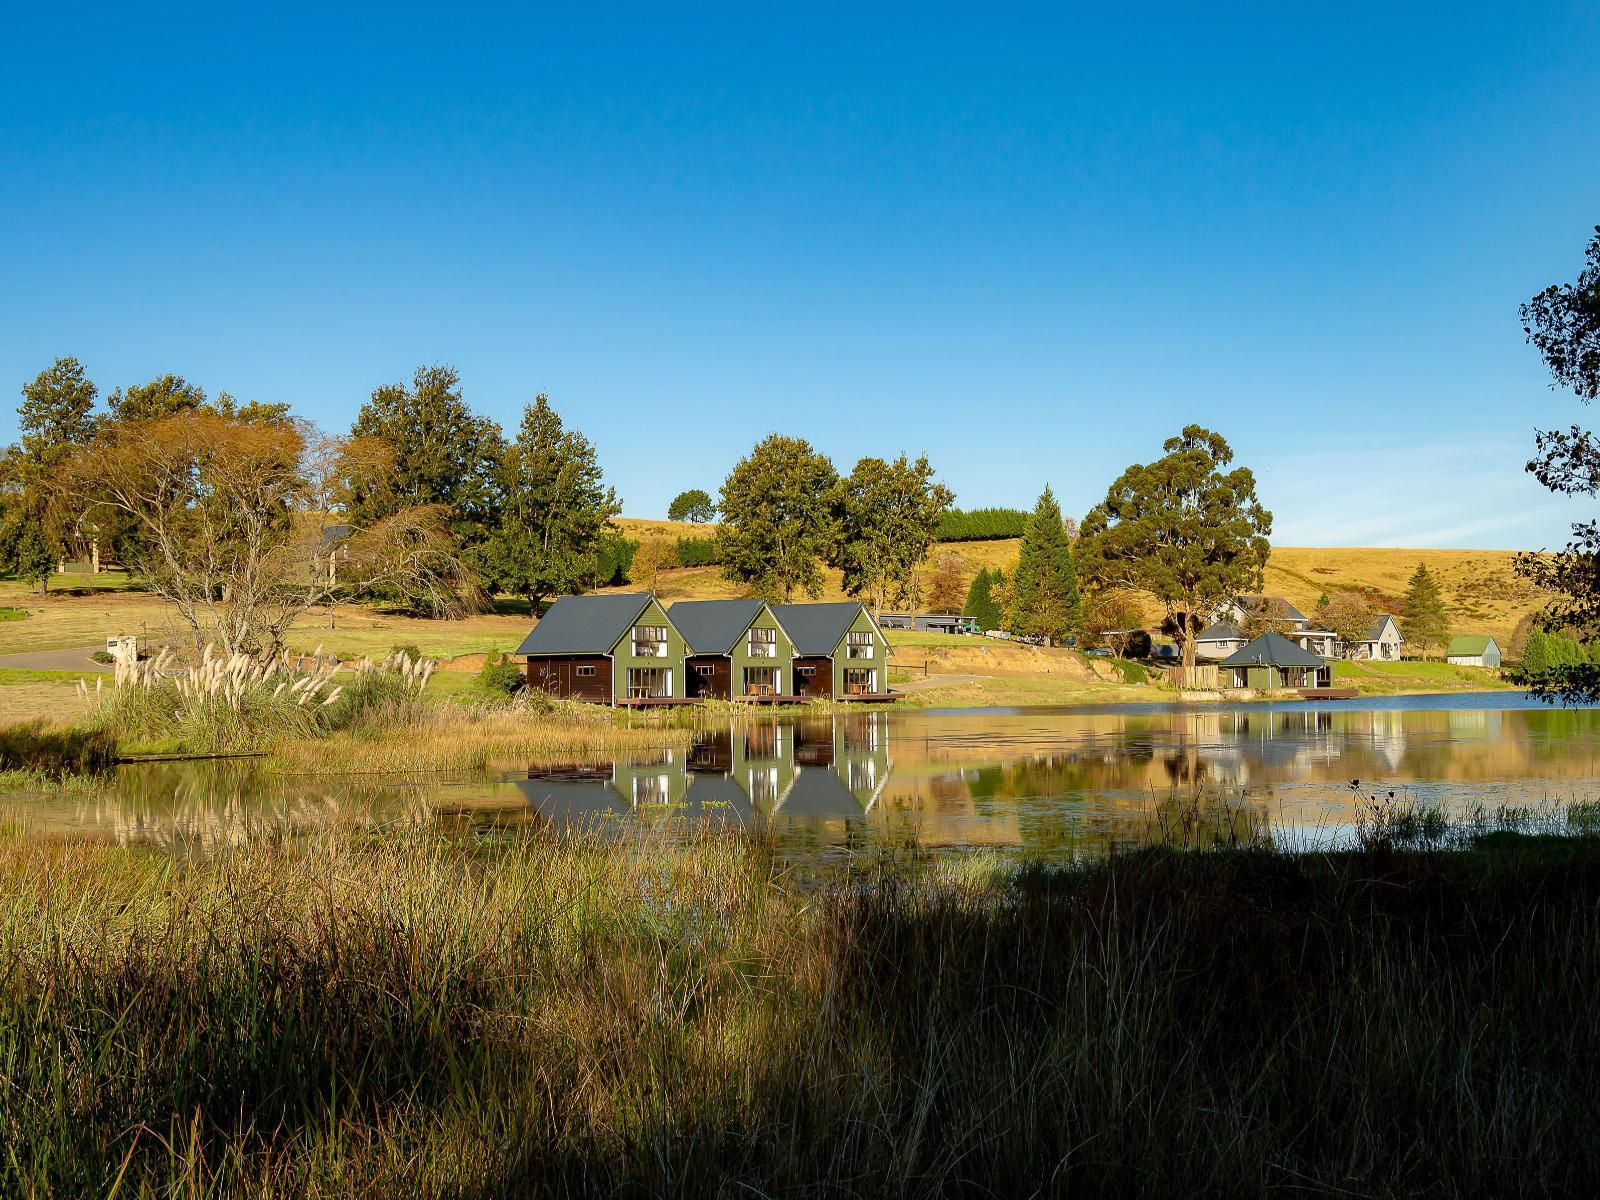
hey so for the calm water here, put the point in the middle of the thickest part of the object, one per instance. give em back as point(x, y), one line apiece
point(1047, 782)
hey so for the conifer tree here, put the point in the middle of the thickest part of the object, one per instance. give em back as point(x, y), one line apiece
point(1044, 591)
point(1425, 621)
point(1536, 655)
point(980, 605)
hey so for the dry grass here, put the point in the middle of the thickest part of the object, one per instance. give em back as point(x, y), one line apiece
point(341, 1016)
point(469, 738)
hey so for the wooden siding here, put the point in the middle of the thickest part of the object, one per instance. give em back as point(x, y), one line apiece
point(819, 684)
point(558, 676)
point(713, 686)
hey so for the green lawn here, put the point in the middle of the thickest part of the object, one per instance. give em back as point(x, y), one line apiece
point(1411, 675)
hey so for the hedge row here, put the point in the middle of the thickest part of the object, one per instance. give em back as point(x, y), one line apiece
point(698, 552)
point(981, 524)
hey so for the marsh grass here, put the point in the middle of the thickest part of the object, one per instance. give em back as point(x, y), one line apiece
point(348, 1015)
point(37, 755)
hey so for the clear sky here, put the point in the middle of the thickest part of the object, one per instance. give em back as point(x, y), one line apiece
point(1032, 243)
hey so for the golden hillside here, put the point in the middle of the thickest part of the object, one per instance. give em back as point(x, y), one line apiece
point(1479, 586)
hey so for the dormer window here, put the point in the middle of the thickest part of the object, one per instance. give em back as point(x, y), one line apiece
point(763, 643)
point(649, 641)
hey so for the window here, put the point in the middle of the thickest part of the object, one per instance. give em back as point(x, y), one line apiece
point(858, 645)
point(860, 681)
point(649, 683)
point(763, 643)
point(649, 641)
point(761, 681)
point(805, 672)
point(705, 670)
point(584, 672)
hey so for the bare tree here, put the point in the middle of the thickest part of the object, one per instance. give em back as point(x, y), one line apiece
point(236, 522)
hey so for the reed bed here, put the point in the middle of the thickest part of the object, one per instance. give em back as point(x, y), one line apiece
point(341, 1015)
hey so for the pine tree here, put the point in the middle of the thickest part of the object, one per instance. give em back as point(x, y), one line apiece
point(980, 605)
point(1044, 590)
point(1425, 621)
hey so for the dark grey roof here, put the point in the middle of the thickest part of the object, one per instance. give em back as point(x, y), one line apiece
point(584, 624)
point(1271, 650)
point(816, 628)
point(1375, 630)
point(818, 792)
point(1275, 606)
point(713, 626)
point(1221, 631)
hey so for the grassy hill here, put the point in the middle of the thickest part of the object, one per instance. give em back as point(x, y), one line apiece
point(1483, 594)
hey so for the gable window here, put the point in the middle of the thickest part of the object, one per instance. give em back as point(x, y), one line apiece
point(649, 641)
point(858, 645)
point(763, 643)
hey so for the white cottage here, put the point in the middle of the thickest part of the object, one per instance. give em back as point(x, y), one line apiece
point(1383, 640)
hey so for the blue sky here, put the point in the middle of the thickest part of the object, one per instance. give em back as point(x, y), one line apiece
point(1032, 243)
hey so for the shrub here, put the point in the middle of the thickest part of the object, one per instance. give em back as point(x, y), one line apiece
point(408, 649)
point(499, 674)
point(103, 656)
point(981, 524)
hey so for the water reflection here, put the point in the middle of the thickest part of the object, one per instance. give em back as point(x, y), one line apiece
point(1045, 782)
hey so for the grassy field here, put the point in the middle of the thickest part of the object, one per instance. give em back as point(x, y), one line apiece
point(344, 1016)
point(1394, 678)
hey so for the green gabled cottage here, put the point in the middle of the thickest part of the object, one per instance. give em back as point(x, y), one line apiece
point(1273, 661)
point(605, 649)
point(838, 649)
point(735, 648)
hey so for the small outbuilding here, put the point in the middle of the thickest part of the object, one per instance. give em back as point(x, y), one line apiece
point(1273, 661)
point(1473, 650)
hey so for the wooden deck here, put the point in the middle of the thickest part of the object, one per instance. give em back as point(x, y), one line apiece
point(685, 701)
point(1329, 693)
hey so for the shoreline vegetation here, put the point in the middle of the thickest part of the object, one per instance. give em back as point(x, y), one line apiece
point(346, 1014)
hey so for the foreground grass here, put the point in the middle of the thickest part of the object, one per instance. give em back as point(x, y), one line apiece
point(342, 1017)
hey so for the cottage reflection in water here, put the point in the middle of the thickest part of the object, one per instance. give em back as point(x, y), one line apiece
point(831, 768)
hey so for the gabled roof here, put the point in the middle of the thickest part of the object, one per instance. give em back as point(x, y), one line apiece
point(1271, 650)
point(713, 626)
point(1375, 630)
point(1221, 631)
point(816, 628)
point(1470, 645)
point(585, 624)
point(818, 792)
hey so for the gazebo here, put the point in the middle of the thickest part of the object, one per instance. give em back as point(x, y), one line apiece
point(1273, 661)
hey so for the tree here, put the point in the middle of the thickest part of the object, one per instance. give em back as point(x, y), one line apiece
point(161, 397)
point(231, 530)
point(442, 455)
point(888, 514)
point(1112, 618)
point(1181, 530)
point(1424, 619)
point(649, 560)
point(1536, 654)
point(1348, 616)
point(1563, 324)
point(1044, 588)
point(947, 582)
point(1264, 614)
point(778, 518)
point(694, 505)
point(980, 604)
point(554, 509)
point(56, 415)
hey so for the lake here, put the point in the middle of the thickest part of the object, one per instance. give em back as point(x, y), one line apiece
point(1046, 782)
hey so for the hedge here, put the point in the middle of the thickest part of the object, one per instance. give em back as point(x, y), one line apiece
point(698, 552)
point(981, 524)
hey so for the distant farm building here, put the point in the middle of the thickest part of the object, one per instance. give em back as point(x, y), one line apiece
point(929, 622)
point(1473, 650)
